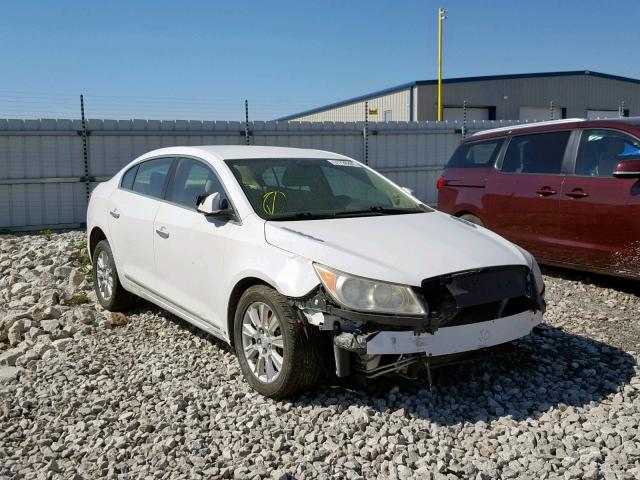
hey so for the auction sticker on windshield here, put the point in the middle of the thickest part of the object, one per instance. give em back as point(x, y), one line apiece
point(343, 163)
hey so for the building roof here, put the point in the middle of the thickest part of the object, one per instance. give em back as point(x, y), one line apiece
point(408, 85)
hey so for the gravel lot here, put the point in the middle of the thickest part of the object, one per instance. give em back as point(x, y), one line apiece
point(148, 396)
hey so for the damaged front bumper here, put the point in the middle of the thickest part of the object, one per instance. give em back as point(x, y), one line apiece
point(448, 340)
point(467, 311)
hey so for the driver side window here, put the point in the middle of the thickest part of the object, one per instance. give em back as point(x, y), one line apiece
point(601, 150)
point(192, 179)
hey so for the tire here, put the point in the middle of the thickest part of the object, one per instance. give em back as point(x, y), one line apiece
point(294, 347)
point(109, 291)
point(469, 217)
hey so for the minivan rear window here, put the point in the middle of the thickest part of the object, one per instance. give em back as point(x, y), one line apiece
point(476, 154)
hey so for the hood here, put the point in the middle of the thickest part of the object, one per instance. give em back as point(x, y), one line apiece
point(402, 249)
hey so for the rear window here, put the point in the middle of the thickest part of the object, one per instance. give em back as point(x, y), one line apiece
point(128, 177)
point(476, 154)
point(152, 176)
point(540, 153)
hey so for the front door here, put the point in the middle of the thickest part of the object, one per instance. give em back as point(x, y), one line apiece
point(600, 214)
point(191, 249)
point(522, 196)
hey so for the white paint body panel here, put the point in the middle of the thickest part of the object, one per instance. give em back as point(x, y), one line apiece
point(462, 338)
point(402, 249)
point(193, 270)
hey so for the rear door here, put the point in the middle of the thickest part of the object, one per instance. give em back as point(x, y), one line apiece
point(522, 195)
point(132, 211)
point(600, 214)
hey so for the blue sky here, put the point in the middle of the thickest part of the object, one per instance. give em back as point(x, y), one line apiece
point(201, 59)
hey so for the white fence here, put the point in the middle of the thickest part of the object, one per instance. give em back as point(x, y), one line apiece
point(43, 172)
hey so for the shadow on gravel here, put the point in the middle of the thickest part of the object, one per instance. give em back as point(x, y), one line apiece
point(548, 368)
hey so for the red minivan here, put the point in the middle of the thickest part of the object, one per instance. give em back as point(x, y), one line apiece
point(568, 190)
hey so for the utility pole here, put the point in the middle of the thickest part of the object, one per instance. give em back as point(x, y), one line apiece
point(441, 17)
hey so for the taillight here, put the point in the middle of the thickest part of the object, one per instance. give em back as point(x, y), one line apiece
point(441, 183)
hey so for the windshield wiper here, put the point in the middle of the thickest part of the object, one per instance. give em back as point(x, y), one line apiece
point(304, 216)
point(372, 210)
point(379, 210)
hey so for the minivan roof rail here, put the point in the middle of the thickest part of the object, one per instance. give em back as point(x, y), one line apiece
point(525, 125)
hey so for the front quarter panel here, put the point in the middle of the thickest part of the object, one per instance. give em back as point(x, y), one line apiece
point(250, 256)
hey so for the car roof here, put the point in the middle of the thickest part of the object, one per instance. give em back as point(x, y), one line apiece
point(628, 124)
point(234, 152)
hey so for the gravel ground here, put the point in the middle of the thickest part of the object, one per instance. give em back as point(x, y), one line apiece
point(87, 395)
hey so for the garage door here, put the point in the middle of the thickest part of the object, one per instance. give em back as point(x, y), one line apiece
point(455, 113)
point(593, 114)
point(540, 113)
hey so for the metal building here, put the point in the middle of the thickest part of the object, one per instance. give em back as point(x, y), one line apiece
point(528, 96)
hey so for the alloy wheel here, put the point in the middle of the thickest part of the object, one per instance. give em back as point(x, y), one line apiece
point(104, 275)
point(262, 342)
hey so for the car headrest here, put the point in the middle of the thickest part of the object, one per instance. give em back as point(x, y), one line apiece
point(247, 178)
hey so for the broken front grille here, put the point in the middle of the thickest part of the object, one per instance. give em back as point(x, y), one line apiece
point(478, 295)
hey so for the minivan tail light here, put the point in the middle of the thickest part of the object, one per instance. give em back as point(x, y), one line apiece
point(441, 183)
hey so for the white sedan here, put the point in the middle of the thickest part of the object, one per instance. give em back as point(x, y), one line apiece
point(308, 262)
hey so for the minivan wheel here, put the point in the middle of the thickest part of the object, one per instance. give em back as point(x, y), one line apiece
point(109, 291)
point(469, 217)
point(276, 358)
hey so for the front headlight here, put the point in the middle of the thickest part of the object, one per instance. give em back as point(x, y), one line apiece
point(358, 293)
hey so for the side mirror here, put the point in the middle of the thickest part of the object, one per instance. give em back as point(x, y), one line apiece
point(627, 169)
point(407, 190)
point(214, 205)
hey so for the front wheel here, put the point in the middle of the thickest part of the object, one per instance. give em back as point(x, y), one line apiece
point(276, 356)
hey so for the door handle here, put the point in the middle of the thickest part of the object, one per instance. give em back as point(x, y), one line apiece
point(577, 193)
point(162, 231)
point(115, 213)
point(546, 191)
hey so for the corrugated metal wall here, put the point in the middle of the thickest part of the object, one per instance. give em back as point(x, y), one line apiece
point(576, 93)
point(396, 102)
point(42, 165)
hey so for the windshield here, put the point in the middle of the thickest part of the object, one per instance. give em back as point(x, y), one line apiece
point(300, 189)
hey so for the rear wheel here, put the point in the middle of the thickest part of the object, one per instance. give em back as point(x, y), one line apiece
point(469, 217)
point(111, 295)
point(276, 357)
